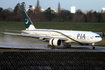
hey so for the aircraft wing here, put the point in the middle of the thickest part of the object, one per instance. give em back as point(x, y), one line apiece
point(35, 36)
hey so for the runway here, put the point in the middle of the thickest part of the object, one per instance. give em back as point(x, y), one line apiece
point(30, 53)
point(43, 48)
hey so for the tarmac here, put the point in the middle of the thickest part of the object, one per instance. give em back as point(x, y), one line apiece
point(44, 48)
point(23, 56)
point(36, 45)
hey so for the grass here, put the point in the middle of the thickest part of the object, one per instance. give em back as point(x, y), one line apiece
point(95, 27)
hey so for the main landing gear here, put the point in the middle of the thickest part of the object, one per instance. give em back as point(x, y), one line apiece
point(93, 45)
point(67, 45)
point(52, 47)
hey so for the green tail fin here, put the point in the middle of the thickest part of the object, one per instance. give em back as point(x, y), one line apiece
point(28, 24)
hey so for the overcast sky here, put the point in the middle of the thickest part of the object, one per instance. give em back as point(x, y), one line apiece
point(95, 5)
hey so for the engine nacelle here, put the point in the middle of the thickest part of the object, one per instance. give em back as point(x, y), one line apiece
point(55, 42)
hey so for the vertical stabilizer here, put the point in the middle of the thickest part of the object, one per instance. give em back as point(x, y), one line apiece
point(28, 23)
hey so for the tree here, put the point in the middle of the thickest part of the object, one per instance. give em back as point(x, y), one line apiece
point(18, 11)
point(49, 14)
point(92, 16)
point(30, 6)
point(5, 14)
point(103, 18)
point(79, 12)
point(65, 15)
point(99, 17)
point(37, 8)
point(1, 9)
point(89, 16)
point(78, 16)
point(59, 8)
point(19, 7)
point(23, 5)
point(16, 7)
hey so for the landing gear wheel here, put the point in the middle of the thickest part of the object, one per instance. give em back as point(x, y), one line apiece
point(68, 46)
point(48, 46)
point(93, 47)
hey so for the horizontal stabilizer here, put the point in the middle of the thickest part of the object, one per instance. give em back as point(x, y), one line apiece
point(13, 30)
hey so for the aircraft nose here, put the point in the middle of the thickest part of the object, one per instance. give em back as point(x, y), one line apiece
point(100, 39)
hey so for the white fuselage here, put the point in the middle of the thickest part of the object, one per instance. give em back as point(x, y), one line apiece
point(71, 36)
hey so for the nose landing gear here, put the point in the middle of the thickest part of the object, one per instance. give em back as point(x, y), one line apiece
point(93, 45)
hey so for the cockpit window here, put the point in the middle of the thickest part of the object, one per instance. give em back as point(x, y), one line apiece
point(97, 36)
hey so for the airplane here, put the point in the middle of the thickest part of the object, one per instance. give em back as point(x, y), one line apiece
point(57, 38)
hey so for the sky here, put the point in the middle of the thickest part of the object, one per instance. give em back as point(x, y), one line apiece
point(95, 5)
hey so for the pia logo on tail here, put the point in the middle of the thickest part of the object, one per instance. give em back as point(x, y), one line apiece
point(26, 21)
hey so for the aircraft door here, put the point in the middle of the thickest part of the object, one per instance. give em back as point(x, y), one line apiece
point(87, 37)
point(74, 36)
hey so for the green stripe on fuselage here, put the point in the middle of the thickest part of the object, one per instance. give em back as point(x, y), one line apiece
point(56, 32)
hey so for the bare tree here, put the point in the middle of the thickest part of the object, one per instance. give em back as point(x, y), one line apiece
point(92, 16)
point(59, 8)
point(89, 16)
point(78, 16)
point(37, 8)
point(103, 18)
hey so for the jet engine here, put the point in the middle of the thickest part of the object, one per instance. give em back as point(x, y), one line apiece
point(55, 42)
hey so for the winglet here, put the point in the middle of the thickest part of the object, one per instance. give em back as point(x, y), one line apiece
point(28, 23)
